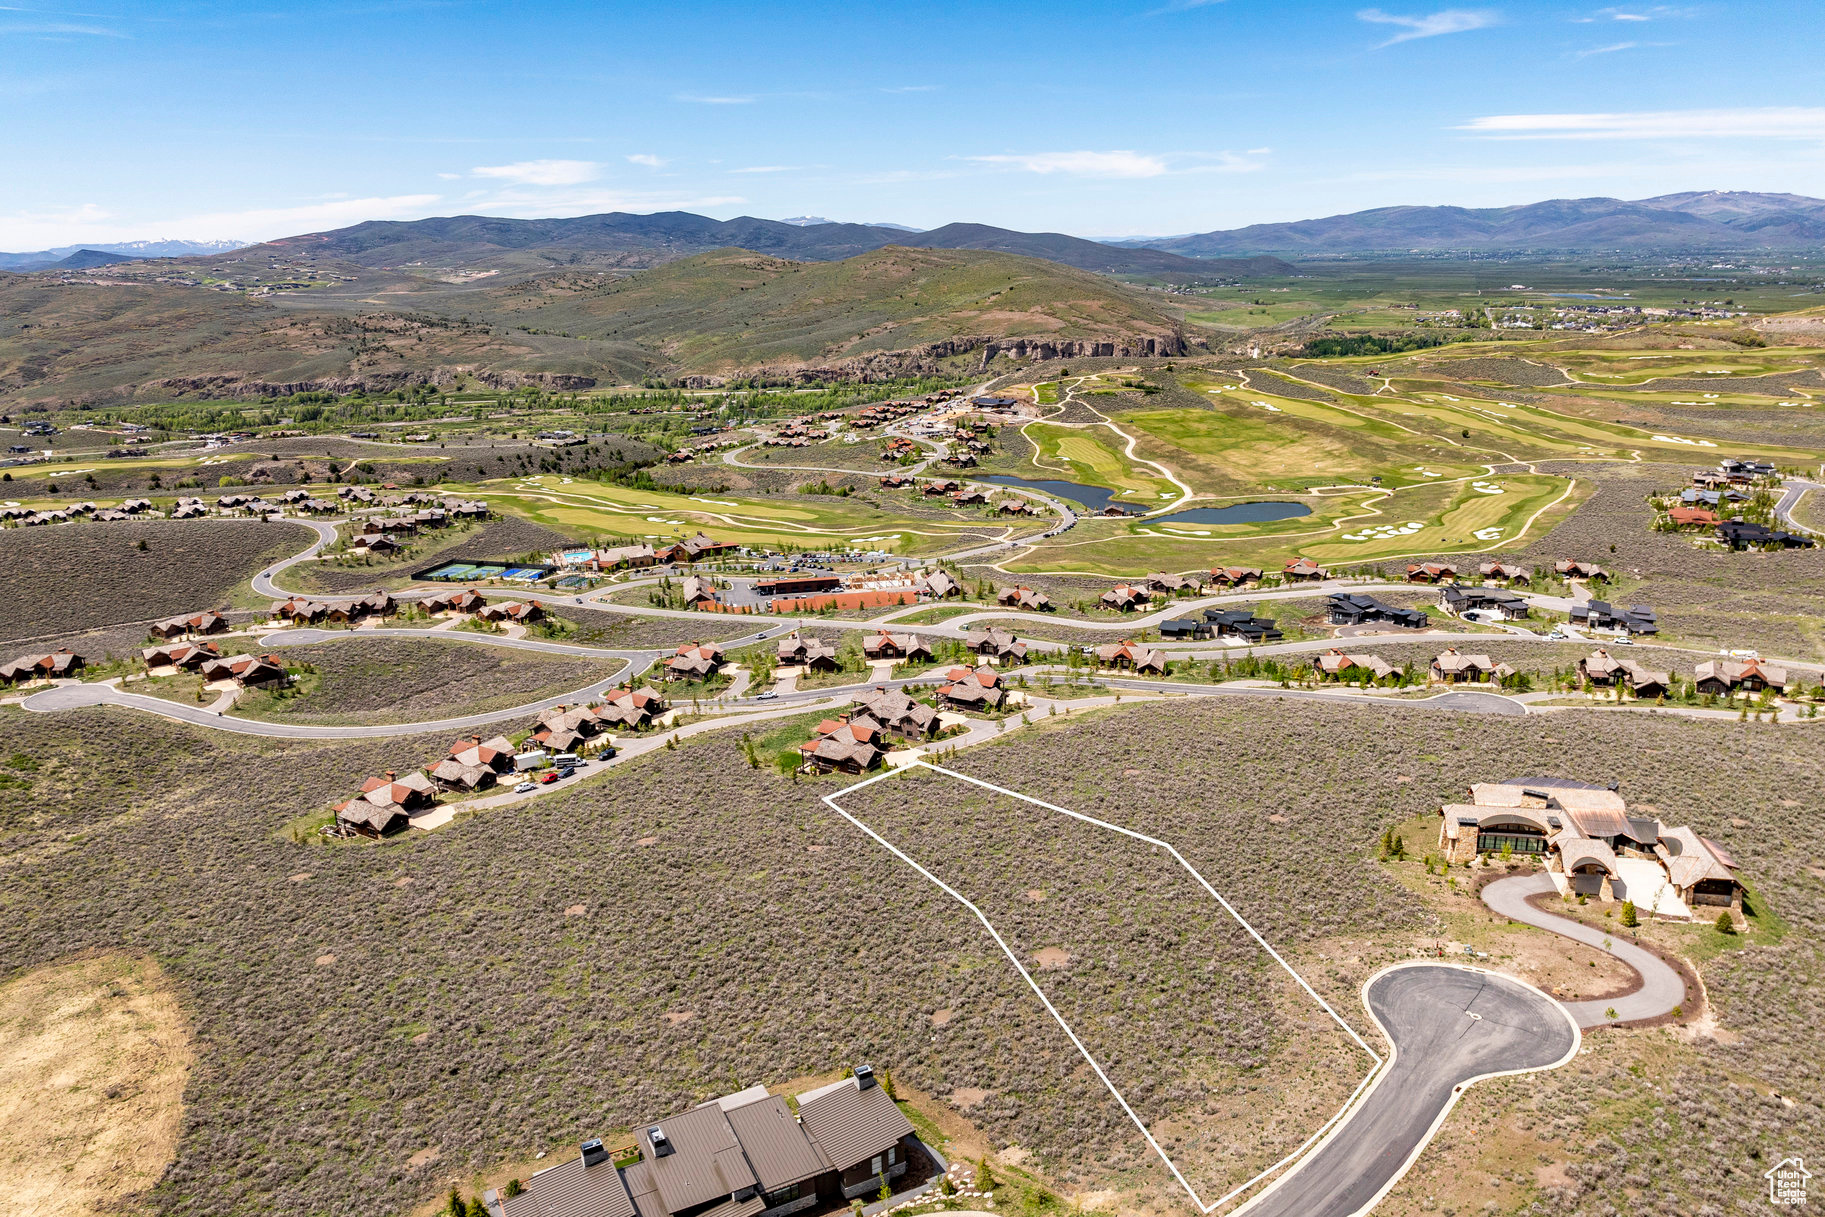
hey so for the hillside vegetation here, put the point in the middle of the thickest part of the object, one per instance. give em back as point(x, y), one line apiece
point(126, 337)
point(736, 308)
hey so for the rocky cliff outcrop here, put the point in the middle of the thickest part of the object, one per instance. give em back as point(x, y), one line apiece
point(930, 359)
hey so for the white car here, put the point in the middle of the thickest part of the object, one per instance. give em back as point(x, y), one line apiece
point(525, 788)
point(769, 695)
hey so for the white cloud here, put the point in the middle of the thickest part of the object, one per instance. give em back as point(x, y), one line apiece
point(645, 158)
point(911, 89)
point(1611, 49)
point(715, 101)
point(1121, 164)
point(1431, 25)
point(542, 173)
point(1770, 122)
point(1652, 12)
point(92, 224)
point(766, 169)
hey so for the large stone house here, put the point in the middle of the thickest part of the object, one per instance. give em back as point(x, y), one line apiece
point(1593, 845)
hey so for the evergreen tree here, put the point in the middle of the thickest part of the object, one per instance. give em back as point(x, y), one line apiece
point(1726, 924)
point(1630, 919)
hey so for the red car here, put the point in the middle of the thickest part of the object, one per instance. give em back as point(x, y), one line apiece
point(546, 778)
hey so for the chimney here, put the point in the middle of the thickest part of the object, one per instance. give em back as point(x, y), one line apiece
point(864, 1077)
point(477, 739)
point(593, 1152)
point(391, 774)
point(662, 1145)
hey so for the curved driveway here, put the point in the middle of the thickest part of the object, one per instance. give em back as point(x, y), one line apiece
point(1449, 1026)
point(1662, 989)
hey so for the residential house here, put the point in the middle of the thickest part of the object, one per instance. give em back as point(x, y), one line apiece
point(996, 644)
point(842, 745)
point(1016, 507)
point(386, 803)
point(1594, 845)
point(898, 713)
point(1355, 608)
point(741, 1155)
point(1461, 601)
point(1235, 576)
point(938, 489)
point(358, 608)
point(968, 497)
point(1304, 570)
point(1183, 629)
point(1243, 624)
point(466, 600)
point(695, 661)
point(1130, 655)
point(1430, 572)
point(1694, 517)
point(1747, 534)
point(1505, 572)
point(1455, 667)
point(1571, 568)
point(1024, 598)
point(971, 689)
point(698, 591)
point(894, 481)
point(186, 655)
point(1605, 671)
point(1165, 584)
point(512, 612)
point(1728, 677)
point(299, 609)
point(631, 708)
point(248, 671)
point(1126, 597)
point(889, 645)
point(204, 623)
point(1361, 665)
point(375, 543)
point(55, 665)
point(474, 763)
point(939, 585)
point(1602, 615)
point(813, 653)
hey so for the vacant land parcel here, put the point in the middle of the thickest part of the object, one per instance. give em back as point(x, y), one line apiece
point(1210, 1040)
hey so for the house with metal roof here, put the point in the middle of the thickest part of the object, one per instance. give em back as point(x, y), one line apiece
point(1459, 601)
point(1356, 608)
point(742, 1155)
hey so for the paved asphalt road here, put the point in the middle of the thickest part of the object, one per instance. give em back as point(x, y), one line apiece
point(1450, 1026)
point(1661, 987)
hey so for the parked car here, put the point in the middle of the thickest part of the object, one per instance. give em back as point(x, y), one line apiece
point(769, 695)
point(525, 788)
point(547, 778)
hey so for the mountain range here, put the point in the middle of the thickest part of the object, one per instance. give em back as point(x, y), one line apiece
point(624, 240)
point(1711, 221)
point(88, 255)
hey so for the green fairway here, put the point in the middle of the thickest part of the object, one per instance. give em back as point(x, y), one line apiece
point(599, 510)
point(1093, 455)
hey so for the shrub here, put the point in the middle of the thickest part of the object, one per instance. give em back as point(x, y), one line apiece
point(1629, 917)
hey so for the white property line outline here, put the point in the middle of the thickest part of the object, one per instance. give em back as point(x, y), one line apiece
point(1361, 1086)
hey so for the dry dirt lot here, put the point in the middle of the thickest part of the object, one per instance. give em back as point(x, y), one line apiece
point(94, 1055)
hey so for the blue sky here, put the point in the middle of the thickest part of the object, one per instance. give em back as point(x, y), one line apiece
point(254, 120)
